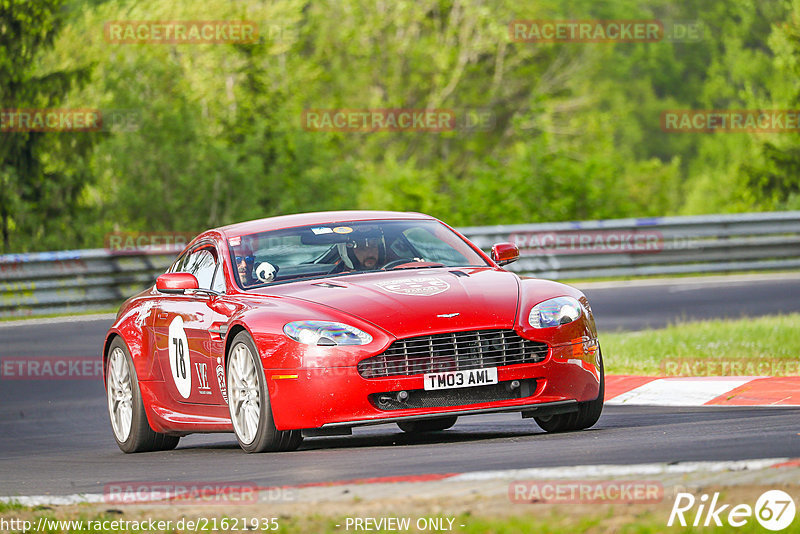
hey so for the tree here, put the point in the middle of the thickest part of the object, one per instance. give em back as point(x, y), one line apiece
point(774, 177)
point(40, 183)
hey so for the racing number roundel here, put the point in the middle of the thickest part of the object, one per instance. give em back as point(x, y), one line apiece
point(179, 357)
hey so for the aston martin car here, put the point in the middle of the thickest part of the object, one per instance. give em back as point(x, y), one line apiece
point(312, 324)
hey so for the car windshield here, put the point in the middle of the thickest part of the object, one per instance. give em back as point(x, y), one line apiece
point(340, 249)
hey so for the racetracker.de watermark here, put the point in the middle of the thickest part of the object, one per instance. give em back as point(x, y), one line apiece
point(180, 32)
point(69, 120)
point(728, 367)
point(585, 491)
point(730, 120)
point(589, 242)
point(51, 368)
point(600, 242)
point(121, 243)
point(398, 120)
point(50, 120)
point(379, 120)
point(193, 493)
point(604, 31)
point(120, 120)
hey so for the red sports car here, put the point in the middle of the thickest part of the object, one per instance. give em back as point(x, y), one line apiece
point(312, 324)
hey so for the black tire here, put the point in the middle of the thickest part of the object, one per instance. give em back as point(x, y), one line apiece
point(141, 437)
point(267, 438)
point(427, 425)
point(587, 415)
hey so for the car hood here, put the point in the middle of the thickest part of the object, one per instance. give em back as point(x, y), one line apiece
point(417, 301)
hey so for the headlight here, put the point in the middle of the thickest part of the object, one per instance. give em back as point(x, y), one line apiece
point(554, 312)
point(325, 333)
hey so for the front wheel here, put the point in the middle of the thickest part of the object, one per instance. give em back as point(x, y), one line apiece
point(587, 415)
point(248, 401)
point(132, 432)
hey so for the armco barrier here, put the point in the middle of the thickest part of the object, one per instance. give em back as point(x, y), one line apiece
point(74, 280)
point(49, 282)
point(666, 245)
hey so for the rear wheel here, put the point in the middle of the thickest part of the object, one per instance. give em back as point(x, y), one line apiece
point(427, 425)
point(132, 432)
point(248, 400)
point(587, 415)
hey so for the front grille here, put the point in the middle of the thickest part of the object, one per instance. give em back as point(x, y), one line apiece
point(444, 398)
point(454, 351)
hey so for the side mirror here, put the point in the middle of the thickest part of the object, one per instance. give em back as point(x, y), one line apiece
point(505, 253)
point(176, 283)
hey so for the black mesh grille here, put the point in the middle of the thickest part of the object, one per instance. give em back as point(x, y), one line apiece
point(442, 398)
point(454, 351)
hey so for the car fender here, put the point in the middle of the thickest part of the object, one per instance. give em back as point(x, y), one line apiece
point(573, 344)
point(132, 324)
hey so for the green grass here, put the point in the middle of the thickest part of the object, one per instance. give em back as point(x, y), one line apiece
point(11, 506)
point(765, 345)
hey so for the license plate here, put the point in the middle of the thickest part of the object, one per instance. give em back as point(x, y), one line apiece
point(461, 379)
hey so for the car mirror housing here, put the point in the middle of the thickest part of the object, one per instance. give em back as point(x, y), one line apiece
point(176, 283)
point(505, 253)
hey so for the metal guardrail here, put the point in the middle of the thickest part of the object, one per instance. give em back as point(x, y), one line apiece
point(77, 280)
point(651, 246)
point(74, 280)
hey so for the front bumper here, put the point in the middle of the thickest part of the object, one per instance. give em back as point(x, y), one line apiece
point(339, 396)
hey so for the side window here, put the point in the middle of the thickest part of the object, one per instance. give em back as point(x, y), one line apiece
point(203, 264)
point(178, 264)
point(219, 280)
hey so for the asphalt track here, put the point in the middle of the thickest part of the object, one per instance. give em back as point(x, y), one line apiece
point(55, 437)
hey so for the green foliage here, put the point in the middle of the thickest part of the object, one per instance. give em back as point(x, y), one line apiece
point(573, 129)
point(42, 175)
point(774, 176)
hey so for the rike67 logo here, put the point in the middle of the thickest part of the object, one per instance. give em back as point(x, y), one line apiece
point(774, 510)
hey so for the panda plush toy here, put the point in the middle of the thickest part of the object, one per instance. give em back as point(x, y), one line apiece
point(265, 272)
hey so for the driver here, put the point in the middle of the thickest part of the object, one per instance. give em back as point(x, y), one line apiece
point(366, 250)
point(244, 265)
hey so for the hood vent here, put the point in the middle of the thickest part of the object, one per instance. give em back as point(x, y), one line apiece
point(329, 284)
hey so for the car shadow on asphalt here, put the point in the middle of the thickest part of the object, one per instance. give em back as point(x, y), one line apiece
point(393, 438)
point(613, 420)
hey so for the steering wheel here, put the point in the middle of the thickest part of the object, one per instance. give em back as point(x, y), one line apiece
point(394, 263)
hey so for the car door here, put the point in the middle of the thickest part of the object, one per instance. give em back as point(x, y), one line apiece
point(189, 348)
